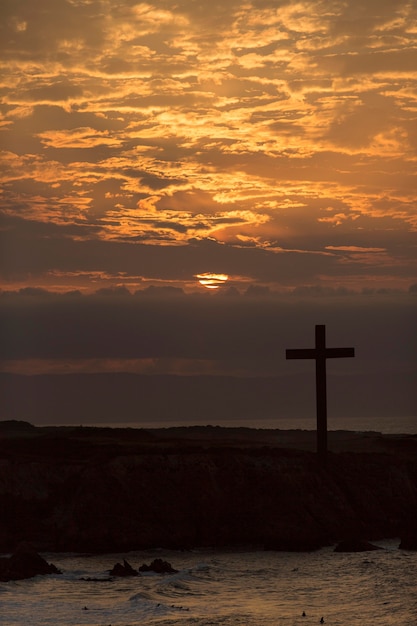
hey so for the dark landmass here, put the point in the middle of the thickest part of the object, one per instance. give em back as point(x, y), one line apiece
point(103, 490)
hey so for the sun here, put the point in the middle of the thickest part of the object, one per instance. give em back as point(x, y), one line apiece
point(210, 280)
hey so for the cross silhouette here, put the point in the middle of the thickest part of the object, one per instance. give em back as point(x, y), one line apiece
point(320, 353)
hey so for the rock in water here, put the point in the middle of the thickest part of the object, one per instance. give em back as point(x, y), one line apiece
point(159, 566)
point(123, 570)
point(24, 563)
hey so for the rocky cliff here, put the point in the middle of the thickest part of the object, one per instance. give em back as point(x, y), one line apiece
point(96, 489)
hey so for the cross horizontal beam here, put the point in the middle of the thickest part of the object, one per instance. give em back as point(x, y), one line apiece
point(314, 353)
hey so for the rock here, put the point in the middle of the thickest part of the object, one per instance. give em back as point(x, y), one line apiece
point(24, 563)
point(159, 566)
point(123, 570)
point(355, 545)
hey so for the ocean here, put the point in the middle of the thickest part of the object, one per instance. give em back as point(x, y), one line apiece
point(221, 588)
point(386, 425)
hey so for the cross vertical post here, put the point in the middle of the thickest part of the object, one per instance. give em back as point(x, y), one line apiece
point(320, 353)
point(321, 392)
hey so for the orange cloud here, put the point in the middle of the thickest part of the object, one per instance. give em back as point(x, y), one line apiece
point(153, 125)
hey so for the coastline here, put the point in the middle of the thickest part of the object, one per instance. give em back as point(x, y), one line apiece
point(111, 490)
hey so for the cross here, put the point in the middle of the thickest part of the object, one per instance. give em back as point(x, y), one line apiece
point(320, 353)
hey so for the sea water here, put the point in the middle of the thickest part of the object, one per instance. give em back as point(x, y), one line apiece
point(221, 588)
point(386, 425)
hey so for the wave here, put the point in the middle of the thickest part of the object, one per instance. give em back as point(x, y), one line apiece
point(187, 582)
point(245, 589)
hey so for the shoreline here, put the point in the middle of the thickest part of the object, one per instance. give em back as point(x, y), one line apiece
point(105, 490)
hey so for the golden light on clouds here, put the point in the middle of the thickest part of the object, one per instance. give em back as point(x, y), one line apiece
point(146, 132)
point(211, 280)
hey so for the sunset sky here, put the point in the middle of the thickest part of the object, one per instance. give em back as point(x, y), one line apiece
point(145, 143)
point(264, 149)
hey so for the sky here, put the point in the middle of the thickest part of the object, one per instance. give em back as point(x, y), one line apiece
point(232, 164)
point(273, 142)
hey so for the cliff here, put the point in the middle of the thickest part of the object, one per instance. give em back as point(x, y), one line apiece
point(94, 489)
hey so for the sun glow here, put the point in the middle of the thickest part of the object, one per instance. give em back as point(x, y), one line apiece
point(211, 280)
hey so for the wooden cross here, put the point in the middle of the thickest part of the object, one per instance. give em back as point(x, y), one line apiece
point(320, 353)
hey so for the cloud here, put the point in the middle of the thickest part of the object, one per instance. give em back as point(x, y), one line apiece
point(167, 331)
point(280, 130)
point(72, 255)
